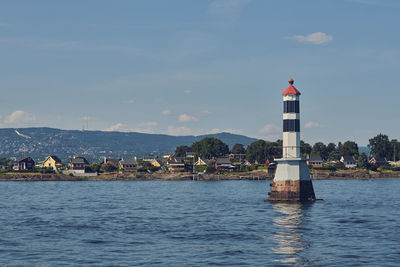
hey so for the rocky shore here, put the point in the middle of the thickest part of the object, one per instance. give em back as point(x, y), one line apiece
point(256, 175)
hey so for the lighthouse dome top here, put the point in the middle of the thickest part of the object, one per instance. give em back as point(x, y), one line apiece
point(291, 90)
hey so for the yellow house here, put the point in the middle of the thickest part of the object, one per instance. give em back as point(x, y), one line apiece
point(156, 163)
point(200, 162)
point(175, 165)
point(52, 162)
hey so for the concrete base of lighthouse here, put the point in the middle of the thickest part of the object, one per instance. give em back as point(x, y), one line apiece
point(292, 182)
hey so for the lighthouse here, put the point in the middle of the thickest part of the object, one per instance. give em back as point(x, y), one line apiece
point(292, 180)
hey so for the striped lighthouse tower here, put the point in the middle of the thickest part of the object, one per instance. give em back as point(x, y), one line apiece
point(292, 180)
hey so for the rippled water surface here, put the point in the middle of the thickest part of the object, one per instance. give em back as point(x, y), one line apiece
point(185, 223)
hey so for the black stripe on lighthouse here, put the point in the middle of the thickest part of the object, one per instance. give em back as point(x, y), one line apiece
point(291, 106)
point(291, 125)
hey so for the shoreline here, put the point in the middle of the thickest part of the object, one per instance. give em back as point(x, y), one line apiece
point(256, 175)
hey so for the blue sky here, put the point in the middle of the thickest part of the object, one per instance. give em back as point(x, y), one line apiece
point(197, 67)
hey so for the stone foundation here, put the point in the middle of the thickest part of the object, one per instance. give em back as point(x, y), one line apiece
point(297, 191)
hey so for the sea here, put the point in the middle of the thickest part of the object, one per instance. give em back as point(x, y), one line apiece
point(197, 223)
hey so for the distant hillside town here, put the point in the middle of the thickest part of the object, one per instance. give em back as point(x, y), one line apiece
point(211, 155)
point(41, 142)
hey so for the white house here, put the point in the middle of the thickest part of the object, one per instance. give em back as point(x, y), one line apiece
point(349, 162)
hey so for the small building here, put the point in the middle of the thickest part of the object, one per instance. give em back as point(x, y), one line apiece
point(189, 155)
point(176, 164)
point(315, 161)
point(24, 164)
point(378, 161)
point(237, 156)
point(149, 158)
point(201, 162)
point(167, 156)
point(348, 161)
point(157, 163)
point(270, 161)
point(395, 163)
point(78, 164)
point(109, 161)
point(224, 164)
point(52, 162)
point(129, 164)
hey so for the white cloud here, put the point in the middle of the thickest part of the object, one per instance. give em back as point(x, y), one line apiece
point(187, 118)
point(145, 127)
point(272, 137)
point(188, 92)
point(316, 38)
point(130, 101)
point(148, 124)
point(166, 112)
point(313, 124)
point(86, 118)
point(233, 131)
point(218, 130)
point(204, 113)
point(117, 127)
point(270, 128)
point(182, 130)
point(20, 116)
point(214, 131)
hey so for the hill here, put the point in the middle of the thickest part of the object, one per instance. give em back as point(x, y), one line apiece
point(41, 142)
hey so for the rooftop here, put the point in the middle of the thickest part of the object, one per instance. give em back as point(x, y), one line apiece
point(291, 90)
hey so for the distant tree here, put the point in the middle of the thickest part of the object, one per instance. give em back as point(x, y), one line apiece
point(238, 149)
point(320, 149)
point(349, 148)
point(6, 162)
point(332, 152)
point(95, 167)
point(362, 161)
point(210, 147)
point(256, 151)
point(108, 168)
point(305, 149)
point(273, 149)
point(180, 151)
point(339, 165)
point(380, 146)
point(395, 150)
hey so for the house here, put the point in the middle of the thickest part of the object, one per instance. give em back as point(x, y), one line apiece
point(201, 162)
point(378, 161)
point(189, 155)
point(157, 163)
point(395, 163)
point(224, 164)
point(270, 161)
point(52, 162)
point(24, 164)
point(315, 160)
point(129, 164)
point(78, 164)
point(149, 158)
point(237, 156)
point(176, 164)
point(166, 156)
point(110, 161)
point(349, 162)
